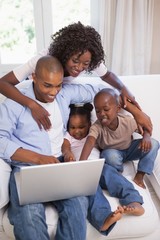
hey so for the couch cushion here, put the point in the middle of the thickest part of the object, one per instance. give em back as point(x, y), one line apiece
point(154, 178)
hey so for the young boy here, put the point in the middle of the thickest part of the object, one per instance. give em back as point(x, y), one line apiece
point(113, 134)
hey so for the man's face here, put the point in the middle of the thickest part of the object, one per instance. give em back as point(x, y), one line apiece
point(47, 85)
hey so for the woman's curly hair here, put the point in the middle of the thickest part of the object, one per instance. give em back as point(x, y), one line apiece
point(77, 38)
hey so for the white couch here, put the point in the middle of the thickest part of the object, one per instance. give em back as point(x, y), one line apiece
point(145, 227)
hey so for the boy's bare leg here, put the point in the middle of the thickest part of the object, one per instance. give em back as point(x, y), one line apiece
point(134, 208)
point(114, 217)
point(138, 179)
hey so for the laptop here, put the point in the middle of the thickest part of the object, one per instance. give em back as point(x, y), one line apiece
point(50, 182)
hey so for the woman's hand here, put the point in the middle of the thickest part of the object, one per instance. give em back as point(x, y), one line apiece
point(40, 115)
point(115, 82)
point(127, 96)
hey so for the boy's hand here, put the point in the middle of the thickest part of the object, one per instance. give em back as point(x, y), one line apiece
point(145, 144)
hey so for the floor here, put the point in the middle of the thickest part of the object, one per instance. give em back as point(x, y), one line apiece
point(2, 237)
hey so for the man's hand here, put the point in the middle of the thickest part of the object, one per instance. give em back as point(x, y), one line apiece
point(48, 160)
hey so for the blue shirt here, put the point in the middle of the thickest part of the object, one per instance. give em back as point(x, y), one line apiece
point(19, 129)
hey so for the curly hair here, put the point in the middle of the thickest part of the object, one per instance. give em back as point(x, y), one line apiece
point(77, 38)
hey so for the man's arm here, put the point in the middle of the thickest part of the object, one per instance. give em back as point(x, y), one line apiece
point(29, 156)
point(88, 146)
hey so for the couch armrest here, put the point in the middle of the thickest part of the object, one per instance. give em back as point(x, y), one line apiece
point(5, 171)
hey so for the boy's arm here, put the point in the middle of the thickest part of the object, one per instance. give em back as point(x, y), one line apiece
point(66, 151)
point(88, 146)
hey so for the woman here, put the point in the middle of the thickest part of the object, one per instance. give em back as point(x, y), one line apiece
point(79, 49)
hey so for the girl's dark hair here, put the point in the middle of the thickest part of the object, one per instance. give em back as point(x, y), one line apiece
point(77, 38)
point(83, 110)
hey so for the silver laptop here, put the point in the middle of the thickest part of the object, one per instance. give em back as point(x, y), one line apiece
point(50, 182)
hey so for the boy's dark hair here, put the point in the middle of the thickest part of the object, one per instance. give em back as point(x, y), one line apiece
point(77, 38)
point(83, 110)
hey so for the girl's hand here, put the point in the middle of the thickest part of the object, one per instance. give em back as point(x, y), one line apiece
point(69, 157)
point(40, 115)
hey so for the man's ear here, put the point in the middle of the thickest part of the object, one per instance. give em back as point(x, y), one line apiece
point(34, 77)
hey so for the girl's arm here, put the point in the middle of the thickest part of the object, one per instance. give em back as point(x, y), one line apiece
point(8, 89)
point(114, 81)
point(66, 151)
point(88, 146)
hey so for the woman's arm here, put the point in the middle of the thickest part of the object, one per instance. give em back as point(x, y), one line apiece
point(8, 89)
point(141, 118)
point(114, 81)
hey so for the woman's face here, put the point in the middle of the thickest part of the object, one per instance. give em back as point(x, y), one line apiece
point(77, 63)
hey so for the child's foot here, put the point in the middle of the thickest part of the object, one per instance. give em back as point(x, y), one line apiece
point(134, 208)
point(138, 179)
point(114, 217)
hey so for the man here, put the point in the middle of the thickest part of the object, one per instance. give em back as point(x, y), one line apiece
point(23, 143)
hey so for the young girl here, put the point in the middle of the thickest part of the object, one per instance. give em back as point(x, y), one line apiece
point(78, 127)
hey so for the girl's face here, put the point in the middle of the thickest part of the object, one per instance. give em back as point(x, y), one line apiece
point(77, 63)
point(78, 126)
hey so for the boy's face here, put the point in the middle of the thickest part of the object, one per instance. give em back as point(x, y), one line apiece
point(78, 126)
point(106, 109)
point(47, 85)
